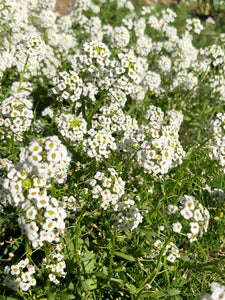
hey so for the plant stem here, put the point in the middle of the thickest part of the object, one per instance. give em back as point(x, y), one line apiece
point(23, 72)
point(113, 241)
point(77, 233)
point(202, 250)
point(151, 277)
point(53, 119)
point(21, 294)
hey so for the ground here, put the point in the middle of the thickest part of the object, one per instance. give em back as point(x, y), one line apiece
point(62, 6)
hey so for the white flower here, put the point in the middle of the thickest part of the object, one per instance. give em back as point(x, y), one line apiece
point(191, 237)
point(190, 203)
point(205, 296)
point(33, 193)
point(31, 230)
point(194, 228)
point(35, 148)
point(48, 236)
point(158, 244)
point(53, 156)
point(52, 277)
point(15, 270)
point(34, 159)
point(218, 293)
point(49, 225)
point(51, 212)
point(186, 213)
point(198, 215)
point(42, 201)
point(31, 213)
point(107, 182)
point(177, 227)
point(24, 286)
point(171, 258)
point(26, 277)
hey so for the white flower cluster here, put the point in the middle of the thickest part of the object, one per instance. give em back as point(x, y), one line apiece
point(109, 189)
point(186, 80)
point(68, 86)
point(152, 80)
point(192, 218)
point(34, 44)
point(164, 63)
point(120, 37)
point(215, 53)
point(128, 71)
point(217, 144)
point(127, 215)
point(69, 202)
point(218, 292)
point(217, 195)
point(143, 45)
point(160, 148)
point(113, 119)
point(43, 218)
point(217, 83)
point(16, 115)
point(29, 51)
point(171, 250)
point(46, 158)
point(57, 267)
point(70, 126)
point(94, 27)
point(124, 3)
point(194, 25)
point(20, 276)
point(99, 144)
point(93, 55)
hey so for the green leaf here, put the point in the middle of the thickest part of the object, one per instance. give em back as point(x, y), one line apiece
point(66, 296)
point(89, 284)
point(101, 275)
point(132, 289)
point(125, 256)
point(161, 294)
point(70, 247)
point(50, 296)
point(89, 261)
point(120, 281)
point(173, 292)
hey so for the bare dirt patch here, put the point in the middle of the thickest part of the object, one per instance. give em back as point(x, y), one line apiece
point(62, 6)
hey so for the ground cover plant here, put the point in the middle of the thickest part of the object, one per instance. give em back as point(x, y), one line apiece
point(112, 152)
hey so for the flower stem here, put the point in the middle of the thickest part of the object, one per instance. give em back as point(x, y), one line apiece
point(21, 294)
point(151, 277)
point(23, 72)
point(113, 241)
point(77, 233)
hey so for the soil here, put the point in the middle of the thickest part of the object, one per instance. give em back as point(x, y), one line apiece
point(62, 6)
